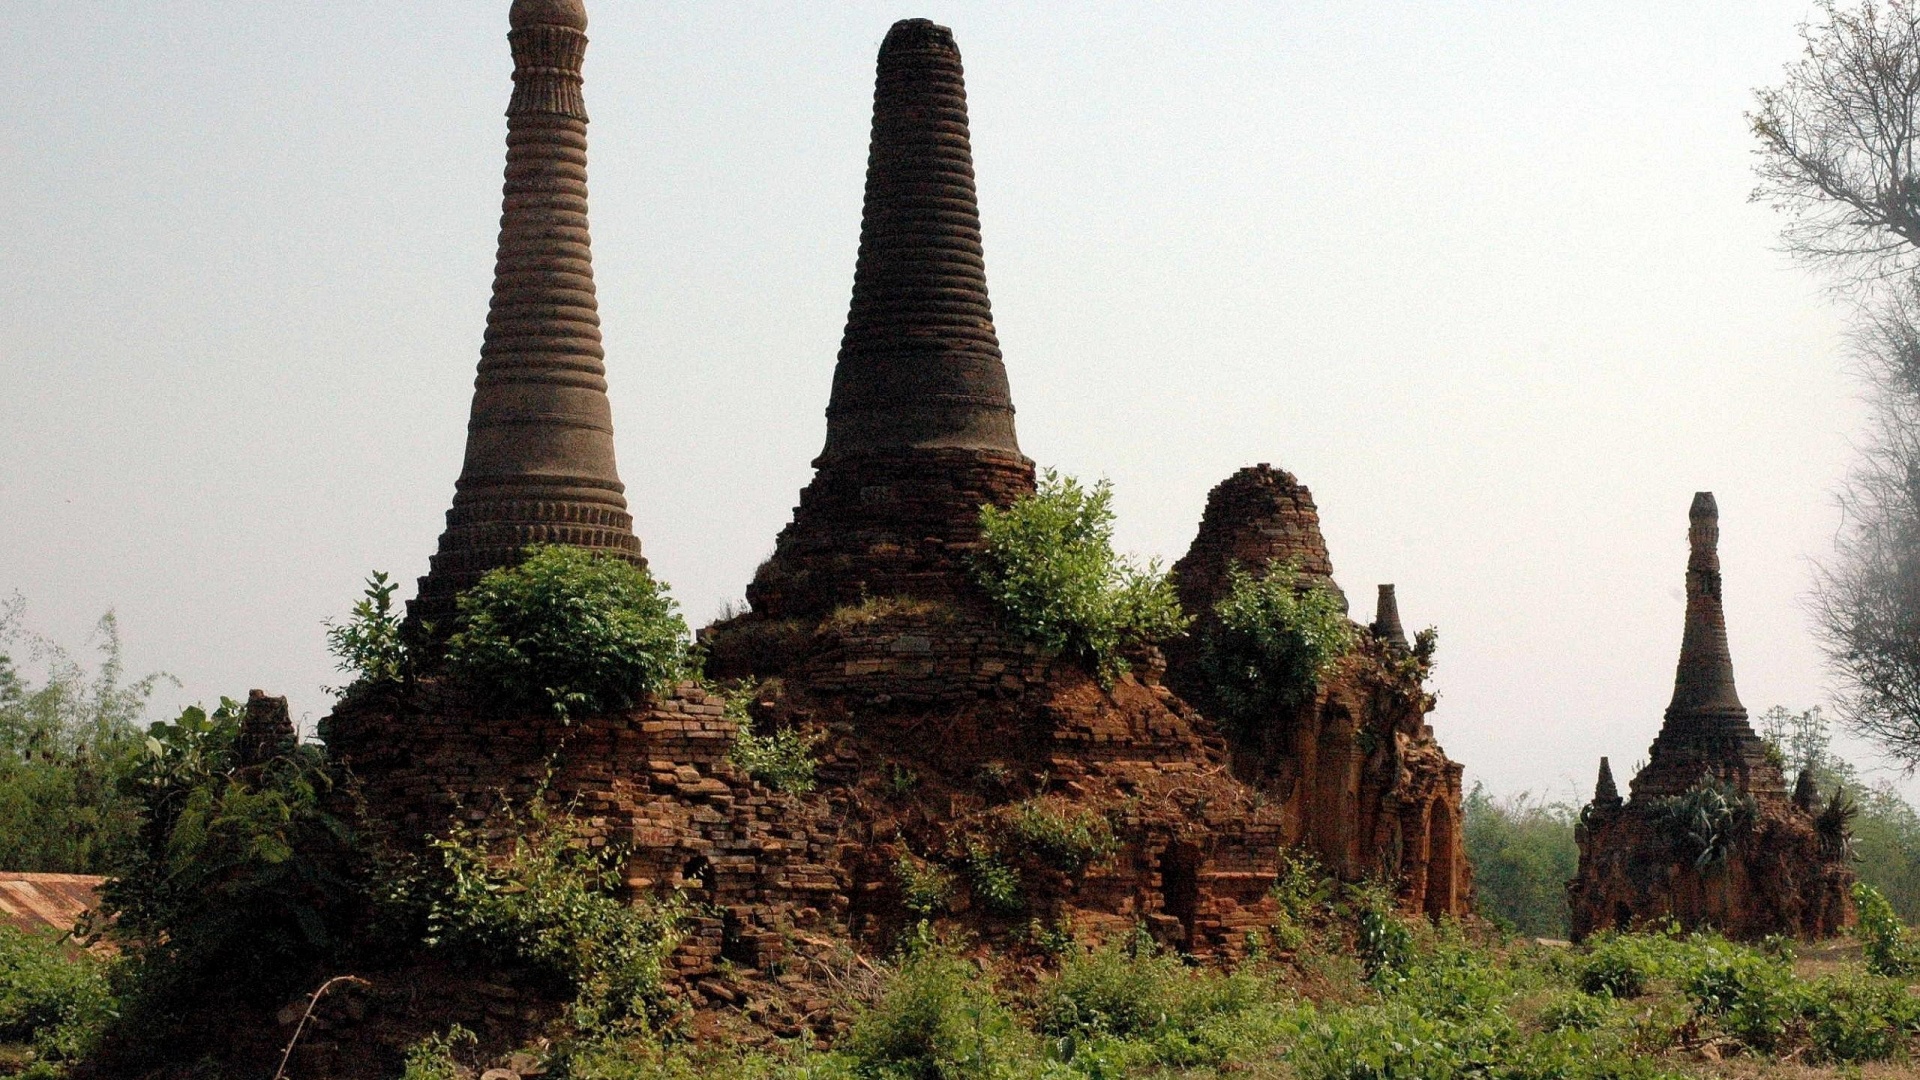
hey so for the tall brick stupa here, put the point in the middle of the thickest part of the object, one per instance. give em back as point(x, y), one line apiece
point(1763, 863)
point(920, 422)
point(539, 463)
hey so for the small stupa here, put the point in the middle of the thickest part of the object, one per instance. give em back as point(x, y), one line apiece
point(1708, 836)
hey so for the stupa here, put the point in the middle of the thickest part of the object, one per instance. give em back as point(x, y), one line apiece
point(539, 461)
point(1708, 835)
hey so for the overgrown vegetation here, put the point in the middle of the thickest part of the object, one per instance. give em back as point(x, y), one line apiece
point(1048, 563)
point(1060, 834)
point(570, 630)
point(368, 643)
point(65, 742)
point(551, 903)
point(781, 759)
point(54, 999)
point(1274, 642)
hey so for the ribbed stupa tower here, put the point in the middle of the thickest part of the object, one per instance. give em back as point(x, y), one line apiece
point(920, 422)
point(539, 464)
point(1706, 727)
point(1766, 867)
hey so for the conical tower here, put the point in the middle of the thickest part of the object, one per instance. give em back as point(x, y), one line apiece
point(1706, 727)
point(1606, 794)
point(539, 464)
point(1386, 622)
point(920, 423)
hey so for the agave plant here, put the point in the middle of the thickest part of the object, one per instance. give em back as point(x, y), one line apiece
point(1706, 821)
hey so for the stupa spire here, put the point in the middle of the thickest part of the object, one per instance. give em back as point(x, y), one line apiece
point(1386, 621)
point(920, 422)
point(1706, 727)
point(1605, 792)
point(919, 364)
point(539, 463)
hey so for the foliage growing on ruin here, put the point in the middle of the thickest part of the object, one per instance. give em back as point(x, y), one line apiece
point(570, 630)
point(437, 1057)
point(925, 888)
point(1062, 835)
point(368, 644)
point(1048, 563)
point(1274, 641)
point(995, 884)
point(938, 1018)
point(781, 759)
point(1704, 823)
point(553, 903)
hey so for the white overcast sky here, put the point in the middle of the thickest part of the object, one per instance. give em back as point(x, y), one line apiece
point(1483, 275)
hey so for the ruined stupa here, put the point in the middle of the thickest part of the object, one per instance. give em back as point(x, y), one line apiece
point(920, 422)
point(1708, 835)
point(539, 462)
point(1386, 621)
point(1354, 769)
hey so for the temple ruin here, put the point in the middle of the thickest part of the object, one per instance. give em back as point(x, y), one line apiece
point(1708, 835)
point(932, 725)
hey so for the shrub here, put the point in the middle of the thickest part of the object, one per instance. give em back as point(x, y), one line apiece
point(1705, 822)
point(52, 996)
point(1301, 892)
point(569, 629)
point(1124, 988)
point(551, 902)
point(1063, 836)
point(1615, 965)
point(995, 884)
point(938, 1019)
point(1889, 945)
point(437, 1057)
point(368, 644)
point(782, 760)
point(1755, 998)
point(1860, 1019)
point(925, 889)
point(1385, 942)
point(1048, 563)
point(243, 875)
point(1274, 641)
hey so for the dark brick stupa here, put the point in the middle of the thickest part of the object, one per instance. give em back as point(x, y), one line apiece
point(1386, 621)
point(920, 423)
point(1770, 869)
point(539, 464)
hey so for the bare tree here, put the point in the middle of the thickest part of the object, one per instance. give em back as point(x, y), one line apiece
point(1838, 140)
point(1867, 600)
point(1840, 154)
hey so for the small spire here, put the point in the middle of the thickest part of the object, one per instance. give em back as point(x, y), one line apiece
point(1605, 791)
point(1386, 622)
point(1703, 681)
point(1806, 791)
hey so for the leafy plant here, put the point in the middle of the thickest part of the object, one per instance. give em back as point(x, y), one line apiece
point(368, 644)
point(1705, 822)
point(782, 760)
point(437, 1057)
point(1273, 643)
point(925, 889)
point(1060, 834)
point(938, 1019)
point(995, 884)
point(1615, 965)
point(1384, 941)
point(1889, 945)
point(1122, 988)
point(571, 630)
point(1301, 892)
point(1523, 854)
point(1048, 562)
point(551, 902)
point(52, 996)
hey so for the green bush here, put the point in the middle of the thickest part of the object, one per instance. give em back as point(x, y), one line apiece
point(573, 630)
point(1064, 836)
point(1890, 946)
point(551, 902)
point(1523, 855)
point(938, 1019)
point(52, 996)
point(782, 760)
point(1273, 643)
point(1706, 822)
point(243, 875)
point(1048, 563)
point(1384, 940)
point(995, 884)
point(1123, 989)
point(1615, 965)
point(368, 644)
point(437, 1057)
point(925, 889)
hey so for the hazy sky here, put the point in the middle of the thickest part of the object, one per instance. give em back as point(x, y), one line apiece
point(1483, 275)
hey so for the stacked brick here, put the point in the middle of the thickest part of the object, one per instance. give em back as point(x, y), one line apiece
point(1777, 871)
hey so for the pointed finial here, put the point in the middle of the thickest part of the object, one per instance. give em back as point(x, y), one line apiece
point(1386, 622)
point(1605, 791)
point(1806, 791)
